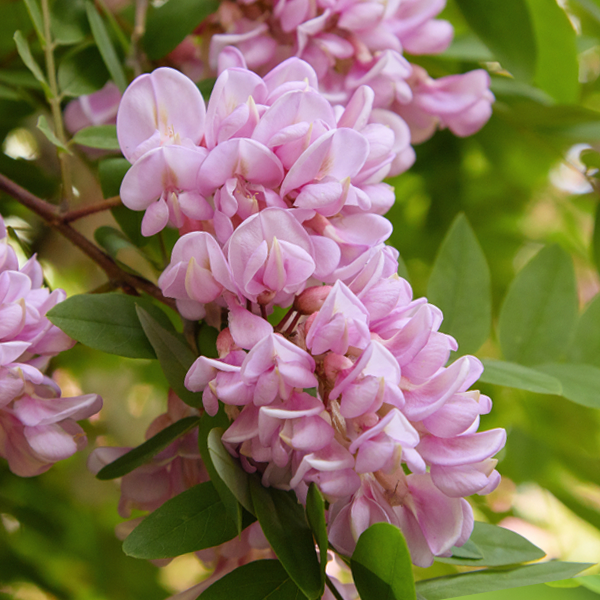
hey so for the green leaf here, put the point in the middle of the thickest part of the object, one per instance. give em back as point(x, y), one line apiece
point(111, 240)
point(315, 513)
point(460, 286)
point(104, 43)
point(168, 25)
point(557, 68)
point(229, 470)
point(591, 582)
point(258, 580)
point(489, 580)
point(19, 78)
point(30, 63)
point(580, 383)
point(206, 87)
point(468, 550)
point(68, 21)
point(498, 547)
point(111, 172)
point(33, 8)
point(81, 71)
point(381, 565)
point(217, 424)
point(585, 347)
point(284, 525)
point(144, 452)
point(174, 355)
point(98, 136)
point(191, 521)
point(499, 372)
point(130, 222)
point(44, 127)
point(106, 322)
point(506, 28)
point(540, 308)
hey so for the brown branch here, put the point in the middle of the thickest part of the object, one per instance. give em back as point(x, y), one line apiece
point(79, 213)
point(50, 213)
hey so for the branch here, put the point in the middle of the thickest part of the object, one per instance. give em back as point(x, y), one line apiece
point(50, 213)
point(79, 213)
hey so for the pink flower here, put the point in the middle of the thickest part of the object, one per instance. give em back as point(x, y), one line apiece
point(99, 108)
point(163, 107)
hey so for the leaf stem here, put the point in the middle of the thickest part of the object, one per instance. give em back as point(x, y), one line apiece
point(54, 100)
point(129, 282)
point(139, 28)
point(333, 589)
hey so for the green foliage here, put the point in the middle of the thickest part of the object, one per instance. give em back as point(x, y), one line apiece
point(168, 25)
point(517, 376)
point(284, 525)
point(107, 322)
point(69, 21)
point(81, 71)
point(194, 520)
point(540, 308)
point(143, 453)
point(174, 355)
point(315, 515)
point(498, 547)
point(229, 470)
point(488, 580)
point(105, 45)
point(44, 127)
point(381, 565)
point(103, 137)
point(258, 580)
point(460, 285)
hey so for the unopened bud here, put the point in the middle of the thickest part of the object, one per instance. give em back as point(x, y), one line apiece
point(334, 363)
point(225, 343)
point(311, 299)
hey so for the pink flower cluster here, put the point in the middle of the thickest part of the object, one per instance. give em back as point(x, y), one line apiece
point(37, 426)
point(279, 197)
point(351, 43)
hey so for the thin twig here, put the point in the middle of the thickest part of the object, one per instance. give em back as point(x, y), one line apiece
point(127, 281)
point(284, 319)
point(79, 213)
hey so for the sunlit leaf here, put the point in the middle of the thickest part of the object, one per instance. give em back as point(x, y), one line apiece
point(98, 136)
point(499, 372)
point(258, 580)
point(284, 524)
point(144, 452)
point(191, 521)
point(489, 580)
point(539, 310)
point(174, 355)
point(585, 346)
point(498, 547)
point(105, 45)
point(167, 25)
point(111, 240)
point(381, 565)
point(460, 286)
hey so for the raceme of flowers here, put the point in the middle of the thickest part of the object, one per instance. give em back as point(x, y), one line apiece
point(349, 44)
point(278, 196)
point(38, 427)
